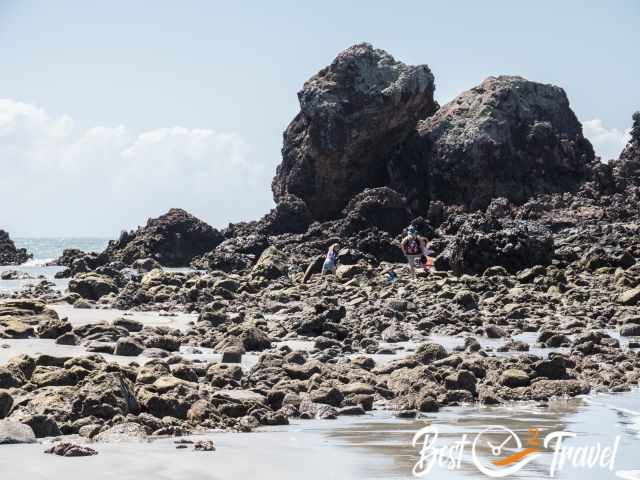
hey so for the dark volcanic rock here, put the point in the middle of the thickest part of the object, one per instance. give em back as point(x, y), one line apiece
point(354, 114)
point(68, 256)
point(42, 425)
point(237, 253)
point(65, 449)
point(6, 402)
point(128, 347)
point(508, 137)
point(382, 207)
point(9, 254)
point(290, 215)
point(174, 239)
point(486, 242)
point(92, 286)
point(627, 168)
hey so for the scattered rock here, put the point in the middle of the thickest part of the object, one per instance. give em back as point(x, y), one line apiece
point(514, 378)
point(15, 432)
point(65, 449)
point(128, 347)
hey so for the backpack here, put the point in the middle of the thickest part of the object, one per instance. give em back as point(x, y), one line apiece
point(413, 246)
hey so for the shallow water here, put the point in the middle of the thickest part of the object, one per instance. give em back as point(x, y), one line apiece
point(10, 348)
point(375, 446)
point(35, 271)
point(594, 419)
point(46, 250)
point(83, 316)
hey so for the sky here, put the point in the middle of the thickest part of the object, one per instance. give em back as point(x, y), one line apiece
point(114, 112)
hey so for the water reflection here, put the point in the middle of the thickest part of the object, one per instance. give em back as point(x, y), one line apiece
point(594, 419)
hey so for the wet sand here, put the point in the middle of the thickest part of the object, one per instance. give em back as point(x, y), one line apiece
point(377, 446)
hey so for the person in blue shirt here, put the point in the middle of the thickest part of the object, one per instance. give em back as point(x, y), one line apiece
point(331, 261)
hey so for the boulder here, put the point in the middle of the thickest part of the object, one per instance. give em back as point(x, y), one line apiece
point(508, 137)
point(65, 449)
point(381, 207)
point(514, 378)
point(204, 446)
point(122, 432)
point(53, 328)
point(232, 354)
point(553, 369)
point(163, 342)
point(15, 275)
point(14, 328)
point(173, 239)
point(24, 307)
point(128, 347)
point(630, 297)
point(483, 242)
point(329, 396)
point(466, 299)
point(499, 208)
point(9, 254)
point(461, 380)
point(68, 256)
point(354, 114)
point(15, 432)
point(9, 378)
point(290, 215)
point(626, 169)
point(24, 364)
point(347, 272)
point(42, 425)
point(430, 352)
point(6, 402)
point(630, 330)
point(53, 377)
point(146, 264)
point(494, 331)
point(272, 264)
point(105, 394)
point(128, 324)
point(92, 286)
point(253, 339)
point(546, 389)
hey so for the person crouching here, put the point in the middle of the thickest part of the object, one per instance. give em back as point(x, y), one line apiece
point(331, 261)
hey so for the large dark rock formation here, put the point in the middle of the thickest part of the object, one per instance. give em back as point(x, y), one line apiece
point(483, 242)
point(627, 168)
point(9, 254)
point(508, 137)
point(368, 121)
point(381, 207)
point(354, 116)
point(290, 215)
point(173, 239)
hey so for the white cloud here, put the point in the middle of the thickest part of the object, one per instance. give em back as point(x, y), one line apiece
point(607, 142)
point(58, 179)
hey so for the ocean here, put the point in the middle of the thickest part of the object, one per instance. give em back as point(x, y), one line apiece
point(48, 249)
